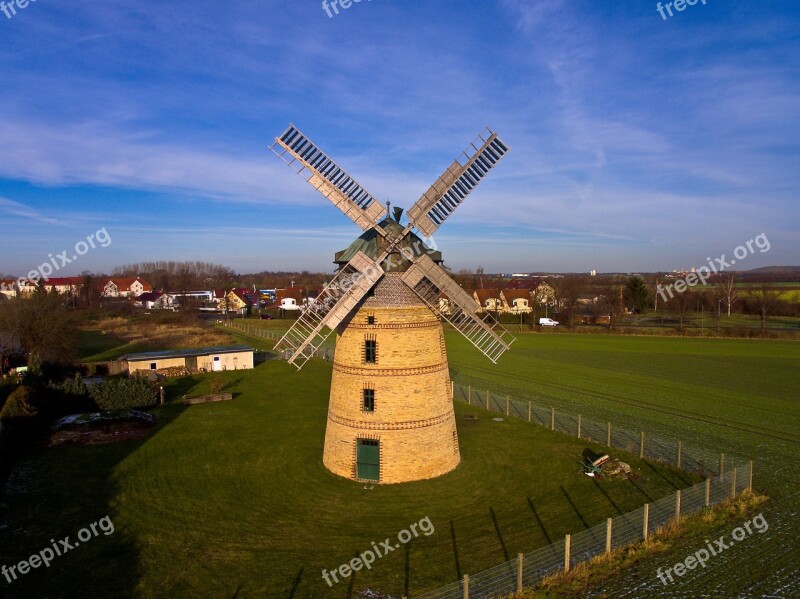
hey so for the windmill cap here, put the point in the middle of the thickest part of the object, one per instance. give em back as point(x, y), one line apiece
point(372, 244)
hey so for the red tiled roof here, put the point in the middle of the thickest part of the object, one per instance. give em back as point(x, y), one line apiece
point(484, 294)
point(64, 281)
point(512, 294)
point(126, 282)
point(295, 293)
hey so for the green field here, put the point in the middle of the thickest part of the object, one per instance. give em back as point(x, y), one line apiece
point(736, 396)
point(232, 499)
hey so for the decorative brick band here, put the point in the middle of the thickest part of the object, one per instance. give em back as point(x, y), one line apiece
point(362, 371)
point(390, 426)
point(396, 325)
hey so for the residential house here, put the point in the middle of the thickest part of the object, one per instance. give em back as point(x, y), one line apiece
point(544, 293)
point(489, 300)
point(148, 299)
point(290, 299)
point(126, 287)
point(516, 301)
point(8, 288)
point(239, 300)
point(64, 285)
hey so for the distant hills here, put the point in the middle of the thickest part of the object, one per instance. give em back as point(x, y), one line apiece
point(775, 270)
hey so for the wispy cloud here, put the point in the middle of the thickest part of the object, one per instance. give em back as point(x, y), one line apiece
point(17, 209)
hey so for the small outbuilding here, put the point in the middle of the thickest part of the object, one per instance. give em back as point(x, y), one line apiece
point(236, 357)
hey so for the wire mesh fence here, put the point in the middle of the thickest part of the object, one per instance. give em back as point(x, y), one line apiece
point(724, 480)
point(651, 447)
point(325, 351)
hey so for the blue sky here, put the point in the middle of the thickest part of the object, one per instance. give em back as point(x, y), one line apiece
point(637, 143)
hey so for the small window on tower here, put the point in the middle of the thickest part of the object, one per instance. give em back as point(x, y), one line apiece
point(370, 351)
point(370, 319)
point(369, 400)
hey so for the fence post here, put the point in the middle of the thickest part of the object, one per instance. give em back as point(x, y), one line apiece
point(579, 426)
point(552, 419)
point(466, 586)
point(452, 390)
point(721, 465)
point(677, 505)
point(529, 416)
point(733, 483)
point(566, 553)
point(508, 405)
point(469, 395)
point(487, 399)
point(520, 558)
point(646, 521)
point(641, 447)
point(708, 492)
point(750, 477)
point(608, 436)
point(609, 526)
point(679, 455)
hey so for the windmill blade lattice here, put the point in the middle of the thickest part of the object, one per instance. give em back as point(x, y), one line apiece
point(331, 307)
point(327, 177)
point(428, 280)
point(457, 182)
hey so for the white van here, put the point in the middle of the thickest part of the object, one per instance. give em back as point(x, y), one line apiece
point(548, 322)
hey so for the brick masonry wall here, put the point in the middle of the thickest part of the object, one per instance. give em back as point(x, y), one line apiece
point(413, 418)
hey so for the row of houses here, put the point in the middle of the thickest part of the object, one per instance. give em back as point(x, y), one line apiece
point(241, 300)
point(114, 287)
point(514, 301)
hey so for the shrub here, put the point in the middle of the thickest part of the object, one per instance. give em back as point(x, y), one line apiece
point(123, 393)
point(74, 386)
point(21, 404)
point(68, 397)
point(7, 387)
point(217, 384)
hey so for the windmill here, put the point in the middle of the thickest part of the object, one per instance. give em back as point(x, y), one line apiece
point(390, 415)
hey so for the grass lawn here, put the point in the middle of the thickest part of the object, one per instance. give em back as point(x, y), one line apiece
point(232, 499)
point(738, 396)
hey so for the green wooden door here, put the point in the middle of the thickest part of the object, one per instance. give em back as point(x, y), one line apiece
point(368, 459)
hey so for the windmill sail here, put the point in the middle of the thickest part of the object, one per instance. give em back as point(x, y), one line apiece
point(328, 178)
point(428, 280)
point(456, 183)
point(330, 308)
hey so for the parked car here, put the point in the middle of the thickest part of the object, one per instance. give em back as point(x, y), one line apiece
point(548, 322)
point(266, 317)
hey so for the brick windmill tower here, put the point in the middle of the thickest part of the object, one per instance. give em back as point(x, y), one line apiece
point(390, 416)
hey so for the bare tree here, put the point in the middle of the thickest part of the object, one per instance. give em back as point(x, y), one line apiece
point(680, 304)
point(41, 324)
point(726, 290)
point(568, 292)
point(612, 299)
point(537, 295)
point(765, 301)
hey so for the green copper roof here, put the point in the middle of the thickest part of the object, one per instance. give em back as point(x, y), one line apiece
point(372, 244)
